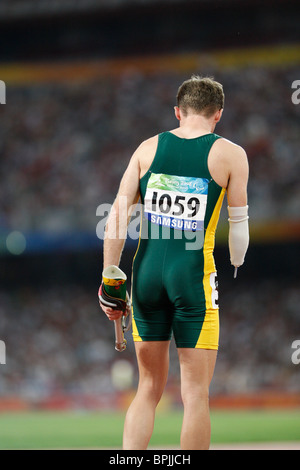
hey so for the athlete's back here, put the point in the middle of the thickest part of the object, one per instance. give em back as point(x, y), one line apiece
point(174, 275)
point(178, 191)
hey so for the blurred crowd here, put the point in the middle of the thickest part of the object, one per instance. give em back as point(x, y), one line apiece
point(65, 146)
point(58, 341)
point(259, 323)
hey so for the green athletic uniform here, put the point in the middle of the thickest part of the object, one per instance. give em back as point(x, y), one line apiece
point(174, 275)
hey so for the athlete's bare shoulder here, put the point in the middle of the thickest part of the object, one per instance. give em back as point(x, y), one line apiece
point(236, 165)
point(226, 158)
point(226, 146)
point(148, 144)
point(228, 152)
point(145, 153)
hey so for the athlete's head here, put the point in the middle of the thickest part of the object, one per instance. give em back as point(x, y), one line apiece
point(200, 95)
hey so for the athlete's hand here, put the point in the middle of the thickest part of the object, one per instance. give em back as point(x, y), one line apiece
point(111, 313)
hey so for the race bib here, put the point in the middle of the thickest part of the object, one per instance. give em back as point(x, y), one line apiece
point(178, 202)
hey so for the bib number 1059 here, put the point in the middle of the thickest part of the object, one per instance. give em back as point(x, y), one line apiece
point(180, 205)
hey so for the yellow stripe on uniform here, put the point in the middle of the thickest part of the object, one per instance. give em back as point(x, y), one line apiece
point(135, 334)
point(209, 336)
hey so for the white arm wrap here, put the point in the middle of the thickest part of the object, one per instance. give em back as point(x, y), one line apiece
point(238, 234)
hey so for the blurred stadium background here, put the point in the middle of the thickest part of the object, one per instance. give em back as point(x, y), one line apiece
point(86, 82)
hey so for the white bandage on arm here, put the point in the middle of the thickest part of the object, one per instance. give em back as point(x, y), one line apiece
point(238, 234)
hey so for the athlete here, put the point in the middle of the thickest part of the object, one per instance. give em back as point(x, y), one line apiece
point(180, 177)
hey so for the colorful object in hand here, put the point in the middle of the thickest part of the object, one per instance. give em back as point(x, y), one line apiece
point(114, 288)
point(113, 294)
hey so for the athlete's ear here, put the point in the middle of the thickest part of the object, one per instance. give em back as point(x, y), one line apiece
point(218, 115)
point(177, 113)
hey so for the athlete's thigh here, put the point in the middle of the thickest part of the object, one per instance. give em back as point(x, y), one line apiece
point(153, 363)
point(196, 368)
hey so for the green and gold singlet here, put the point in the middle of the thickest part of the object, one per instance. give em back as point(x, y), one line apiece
point(174, 286)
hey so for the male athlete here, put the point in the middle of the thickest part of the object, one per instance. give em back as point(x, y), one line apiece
point(181, 177)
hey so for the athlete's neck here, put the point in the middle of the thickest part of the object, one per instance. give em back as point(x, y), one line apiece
point(193, 125)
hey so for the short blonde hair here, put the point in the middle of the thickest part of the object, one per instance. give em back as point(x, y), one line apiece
point(202, 95)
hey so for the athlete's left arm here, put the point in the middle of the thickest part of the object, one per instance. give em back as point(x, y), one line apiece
point(238, 170)
point(237, 206)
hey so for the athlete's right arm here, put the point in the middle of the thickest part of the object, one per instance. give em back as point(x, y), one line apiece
point(117, 222)
point(237, 206)
point(128, 195)
point(122, 208)
point(119, 216)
